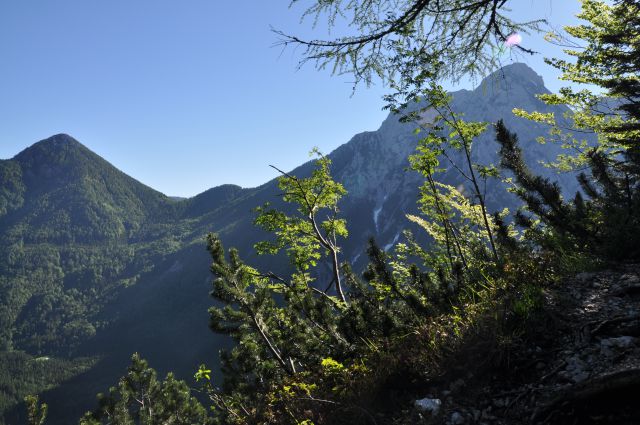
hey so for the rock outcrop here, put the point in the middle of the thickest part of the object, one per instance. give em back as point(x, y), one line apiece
point(582, 365)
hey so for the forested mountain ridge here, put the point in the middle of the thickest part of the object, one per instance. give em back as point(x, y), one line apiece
point(70, 222)
point(96, 265)
point(67, 194)
point(75, 230)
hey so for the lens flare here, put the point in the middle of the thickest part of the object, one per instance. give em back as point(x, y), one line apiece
point(513, 39)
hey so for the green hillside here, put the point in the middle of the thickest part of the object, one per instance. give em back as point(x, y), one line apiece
point(74, 231)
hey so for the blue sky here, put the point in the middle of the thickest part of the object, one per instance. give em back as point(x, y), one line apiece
point(187, 95)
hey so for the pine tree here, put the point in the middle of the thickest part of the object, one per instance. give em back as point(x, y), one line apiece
point(36, 412)
point(141, 399)
point(607, 222)
point(282, 325)
point(285, 328)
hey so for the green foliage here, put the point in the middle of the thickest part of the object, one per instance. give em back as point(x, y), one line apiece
point(608, 61)
point(250, 315)
point(73, 230)
point(36, 412)
point(460, 225)
point(22, 375)
point(140, 398)
point(602, 221)
point(313, 233)
point(12, 187)
point(282, 325)
point(74, 234)
point(202, 374)
point(51, 296)
point(302, 355)
point(406, 42)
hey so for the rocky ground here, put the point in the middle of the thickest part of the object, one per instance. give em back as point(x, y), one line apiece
point(581, 367)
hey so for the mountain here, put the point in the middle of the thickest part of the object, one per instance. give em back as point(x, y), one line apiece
point(95, 265)
point(92, 200)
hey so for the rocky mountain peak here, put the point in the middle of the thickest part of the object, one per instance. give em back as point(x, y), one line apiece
point(513, 85)
point(518, 72)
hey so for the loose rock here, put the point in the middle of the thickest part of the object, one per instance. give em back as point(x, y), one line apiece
point(429, 405)
point(457, 419)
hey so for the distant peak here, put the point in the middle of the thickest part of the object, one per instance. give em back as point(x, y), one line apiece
point(522, 70)
point(516, 71)
point(62, 137)
point(56, 143)
point(59, 139)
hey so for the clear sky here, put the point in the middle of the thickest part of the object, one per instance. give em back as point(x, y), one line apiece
point(186, 95)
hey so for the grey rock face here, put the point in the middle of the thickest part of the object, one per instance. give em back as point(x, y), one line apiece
point(373, 165)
